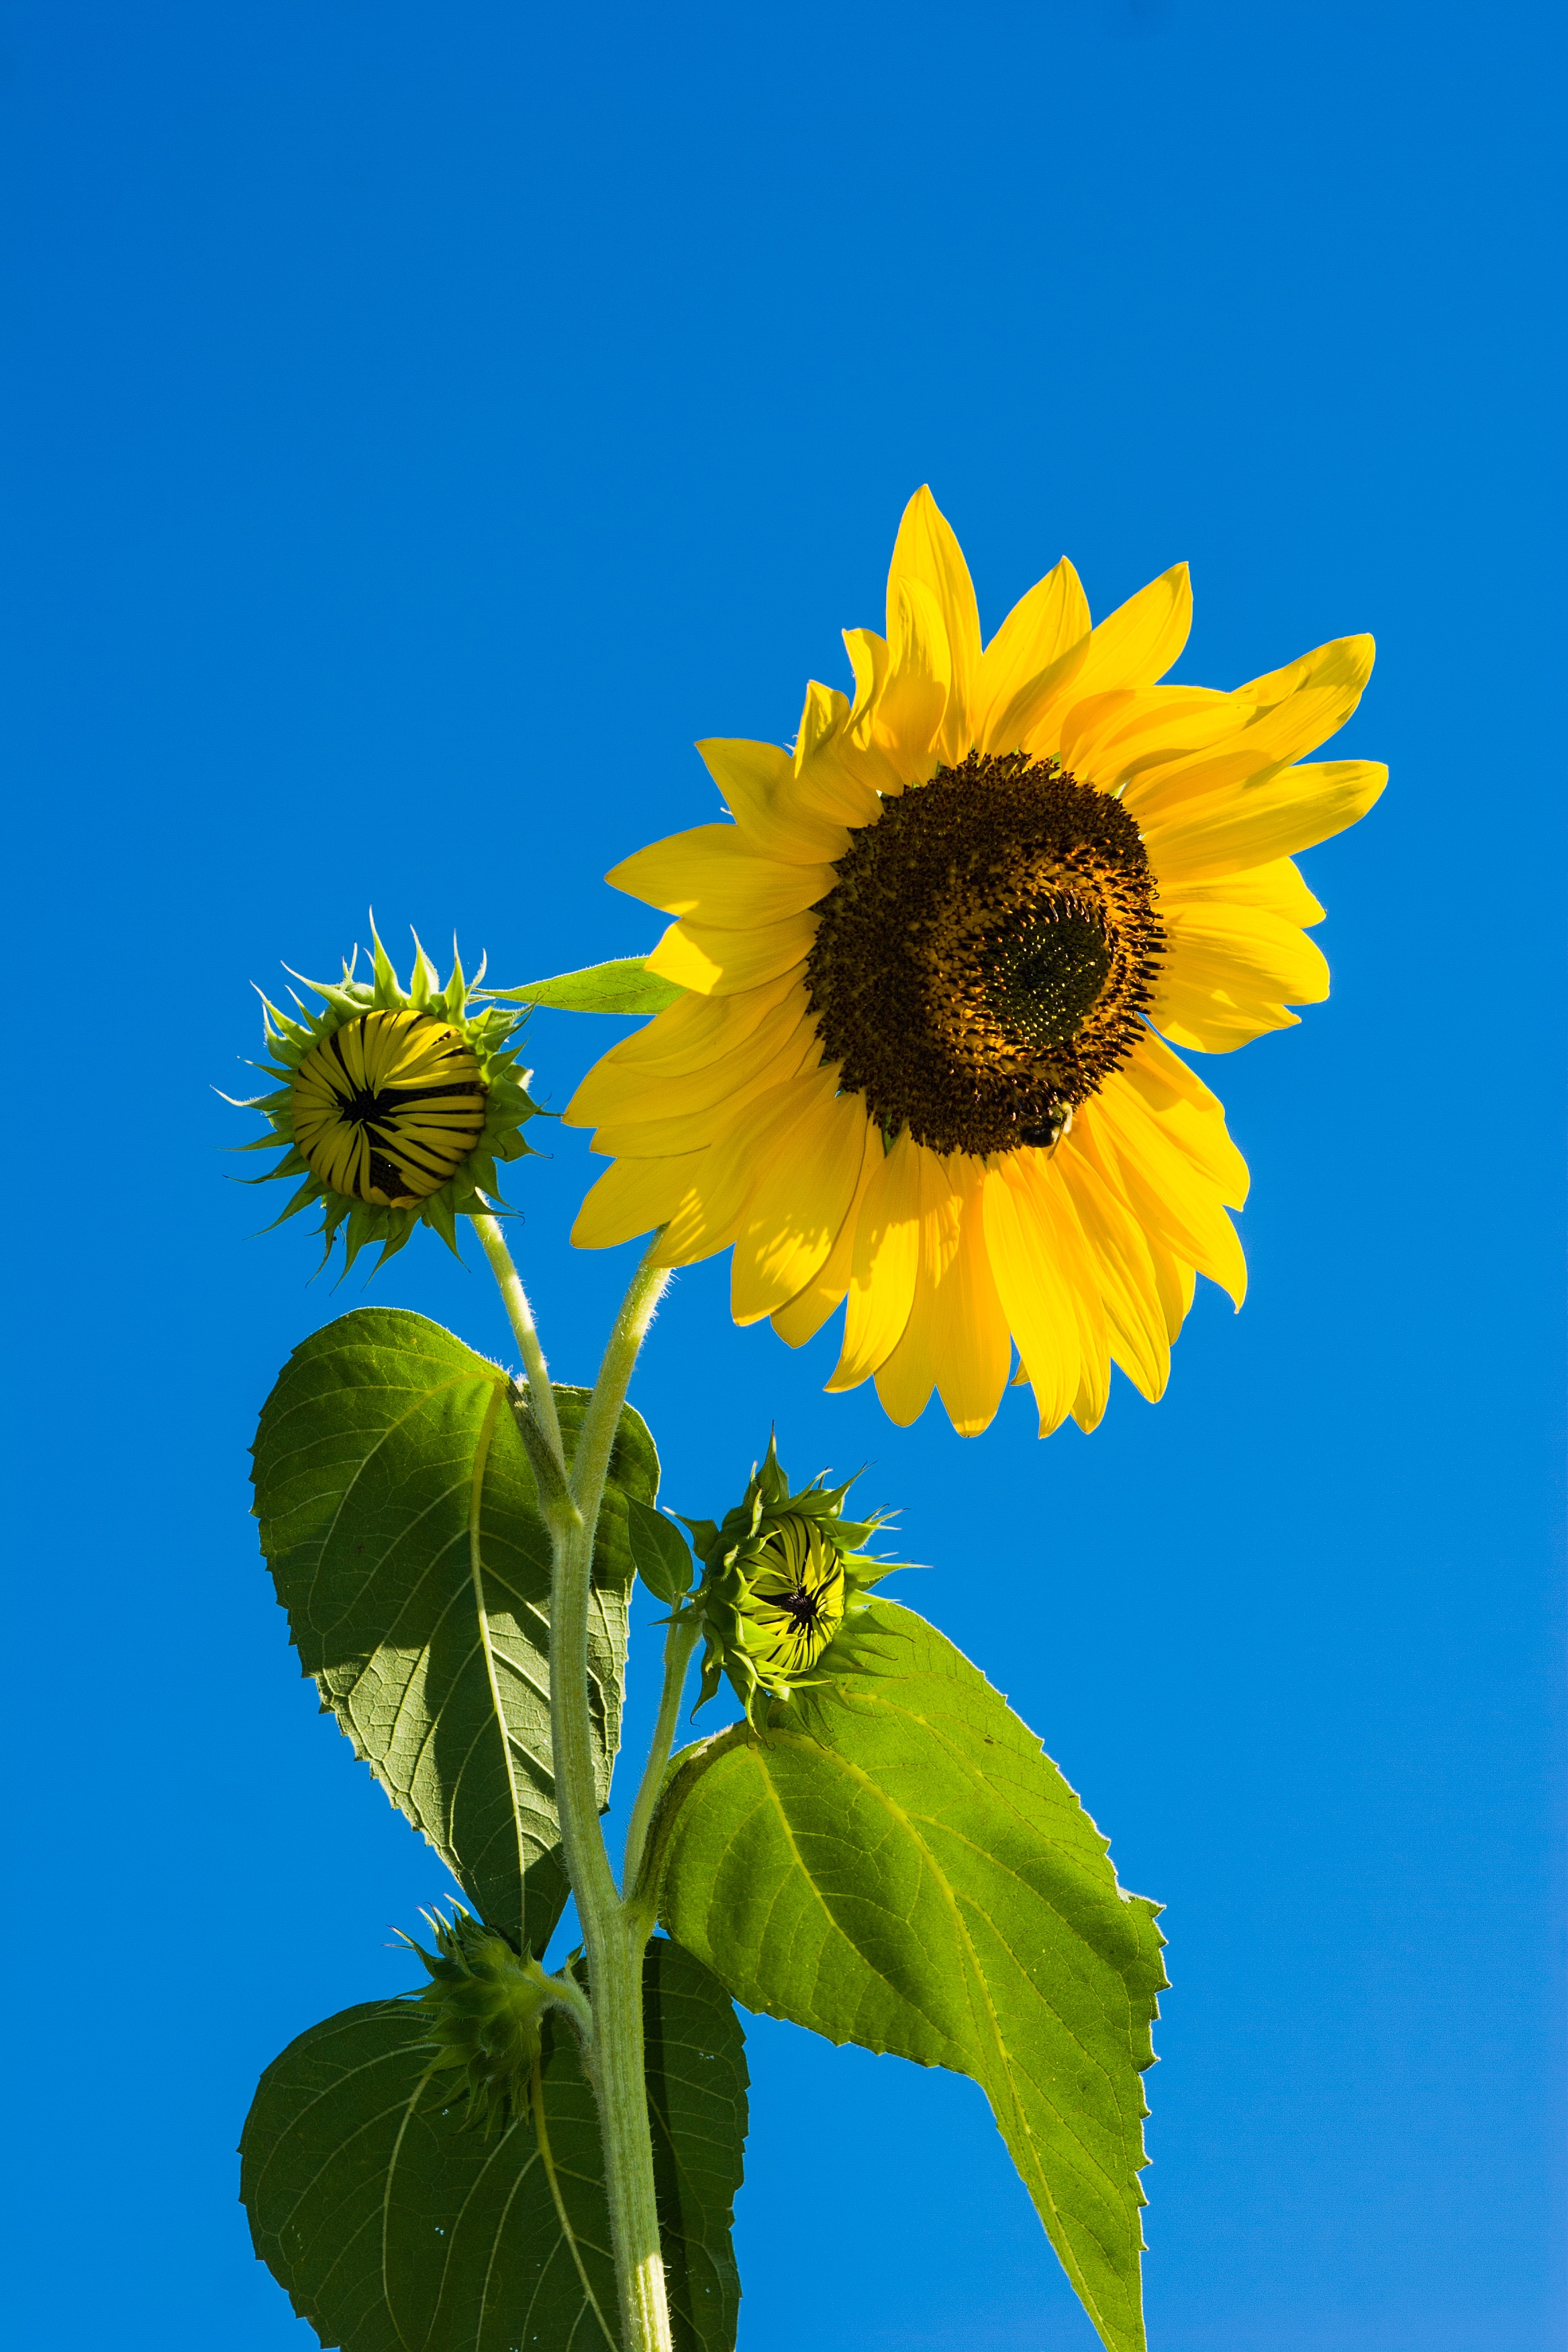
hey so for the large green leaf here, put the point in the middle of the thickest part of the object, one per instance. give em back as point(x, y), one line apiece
point(395, 2228)
point(622, 985)
point(401, 1521)
point(895, 1863)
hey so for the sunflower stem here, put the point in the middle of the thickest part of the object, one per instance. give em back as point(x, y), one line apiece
point(678, 1644)
point(614, 1933)
point(519, 1315)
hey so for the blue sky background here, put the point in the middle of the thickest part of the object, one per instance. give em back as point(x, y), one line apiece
point(420, 425)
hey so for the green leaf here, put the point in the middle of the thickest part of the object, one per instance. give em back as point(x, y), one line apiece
point(400, 1518)
point(622, 985)
point(661, 1552)
point(396, 2229)
point(895, 1863)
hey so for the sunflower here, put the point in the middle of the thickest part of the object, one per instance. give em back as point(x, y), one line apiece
point(935, 971)
point(395, 1106)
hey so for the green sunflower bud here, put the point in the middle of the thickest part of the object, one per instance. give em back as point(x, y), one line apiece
point(484, 2008)
point(785, 1579)
point(395, 1104)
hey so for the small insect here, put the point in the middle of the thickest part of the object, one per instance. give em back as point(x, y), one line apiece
point(1050, 1130)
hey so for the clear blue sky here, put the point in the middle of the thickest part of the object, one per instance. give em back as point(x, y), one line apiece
point(421, 423)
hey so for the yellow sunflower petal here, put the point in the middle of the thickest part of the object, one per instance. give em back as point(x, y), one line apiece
point(724, 964)
point(632, 1197)
point(1248, 824)
point(688, 1034)
point(906, 1378)
point(906, 718)
point(1044, 627)
point(1189, 1114)
point(798, 1207)
point(1082, 1274)
point(757, 780)
point(709, 1214)
point(710, 875)
point(1033, 1284)
point(804, 1316)
point(884, 1264)
point(615, 1095)
point(823, 713)
point(1174, 1201)
point(1128, 1292)
point(1106, 737)
point(1326, 687)
point(673, 1129)
point(1032, 720)
point(973, 1345)
point(926, 552)
point(1136, 644)
point(1229, 974)
point(869, 659)
point(1277, 886)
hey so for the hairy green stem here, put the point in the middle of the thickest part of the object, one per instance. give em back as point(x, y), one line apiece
point(679, 1642)
point(591, 1460)
point(615, 1933)
point(519, 1315)
point(613, 1938)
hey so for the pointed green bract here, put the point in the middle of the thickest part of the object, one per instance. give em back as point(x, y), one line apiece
point(400, 1518)
point(622, 985)
point(895, 1863)
point(662, 1554)
point(395, 2229)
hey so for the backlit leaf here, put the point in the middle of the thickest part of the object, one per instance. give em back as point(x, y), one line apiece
point(622, 985)
point(895, 1863)
point(400, 1519)
point(393, 2229)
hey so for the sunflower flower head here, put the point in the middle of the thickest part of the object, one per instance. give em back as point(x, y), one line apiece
point(940, 963)
point(483, 2007)
point(785, 1579)
point(393, 1104)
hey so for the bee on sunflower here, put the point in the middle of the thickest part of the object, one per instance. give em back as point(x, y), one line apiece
point(395, 1104)
point(934, 969)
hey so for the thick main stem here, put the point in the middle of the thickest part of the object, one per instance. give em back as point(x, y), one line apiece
point(612, 1938)
point(615, 1933)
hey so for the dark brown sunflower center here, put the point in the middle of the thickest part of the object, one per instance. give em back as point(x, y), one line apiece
point(984, 961)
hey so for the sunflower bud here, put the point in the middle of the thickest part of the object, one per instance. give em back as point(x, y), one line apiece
point(395, 1104)
point(786, 1578)
point(483, 2006)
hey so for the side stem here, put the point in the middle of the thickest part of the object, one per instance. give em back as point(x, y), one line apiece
point(519, 1315)
point(679, 1642)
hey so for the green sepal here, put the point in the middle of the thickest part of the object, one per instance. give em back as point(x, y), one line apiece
point(663, 1562)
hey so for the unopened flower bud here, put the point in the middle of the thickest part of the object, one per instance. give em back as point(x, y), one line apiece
point(785, 1578)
